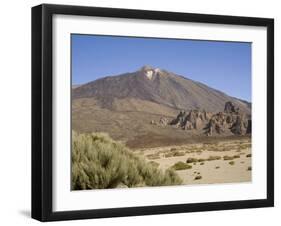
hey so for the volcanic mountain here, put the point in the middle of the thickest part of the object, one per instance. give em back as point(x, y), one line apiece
point(157, 86)
point(125, 105)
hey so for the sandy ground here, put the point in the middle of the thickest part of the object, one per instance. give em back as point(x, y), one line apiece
point(230, 161)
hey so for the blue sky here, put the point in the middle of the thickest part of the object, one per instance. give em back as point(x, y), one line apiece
point(225, 66)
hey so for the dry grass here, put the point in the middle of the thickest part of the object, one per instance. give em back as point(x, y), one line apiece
point(155, 164)
point(153, 156)
point(174, 154)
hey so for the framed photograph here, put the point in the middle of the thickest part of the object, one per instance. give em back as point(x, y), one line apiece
point(145, 112)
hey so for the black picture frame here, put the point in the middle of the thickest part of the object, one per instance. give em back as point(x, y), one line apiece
point(42, 111)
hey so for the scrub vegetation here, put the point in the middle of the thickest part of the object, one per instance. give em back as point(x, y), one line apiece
point(99, 162)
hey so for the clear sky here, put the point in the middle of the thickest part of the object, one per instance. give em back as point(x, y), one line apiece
point(225, 66)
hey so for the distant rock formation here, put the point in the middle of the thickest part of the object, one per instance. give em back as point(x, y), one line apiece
point(163, 121)
point(231, 121)
point(230, 108)
point(194, 119)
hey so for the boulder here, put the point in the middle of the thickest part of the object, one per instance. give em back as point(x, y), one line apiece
point(229, 107)
point(249, 127)
point(163, 121)
point(238, 127)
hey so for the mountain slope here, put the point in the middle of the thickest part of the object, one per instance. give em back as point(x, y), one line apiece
point(129, 106)
point(157, 86)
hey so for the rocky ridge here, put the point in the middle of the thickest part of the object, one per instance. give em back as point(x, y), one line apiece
point(231, 121)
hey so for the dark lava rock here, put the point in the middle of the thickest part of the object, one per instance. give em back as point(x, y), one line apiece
point(230, 108)
point(231, 121)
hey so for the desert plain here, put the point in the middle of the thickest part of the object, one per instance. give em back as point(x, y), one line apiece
point(227, 161)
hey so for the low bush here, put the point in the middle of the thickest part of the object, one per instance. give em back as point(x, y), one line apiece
point(179, 153)
point(181, 166)
point(191, 160)
point(201, 160)
point(245, 146)
point(231, 163)
point(249, 155)
point(174, 154)
point(226, 157)
point(198, 177)
point(168, 155)
point(212, 158)
point(100, 162)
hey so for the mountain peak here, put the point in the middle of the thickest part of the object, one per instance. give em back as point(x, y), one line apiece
point(149, 71)
point(157, 86)
point(146, 67)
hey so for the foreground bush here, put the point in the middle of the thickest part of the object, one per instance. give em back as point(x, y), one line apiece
point(100, 162)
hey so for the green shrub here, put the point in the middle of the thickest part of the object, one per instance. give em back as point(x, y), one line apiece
point(231, 163)
point(174, 154)
point(181, 166)
point(100, 162)
point(179, 153)
point(201, 160)
point(191, 160)
point(226, 157)
point(168, 155)
point(244, 146)
point(212, 158)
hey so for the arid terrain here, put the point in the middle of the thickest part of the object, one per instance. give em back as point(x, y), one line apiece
point(174, 123)
point(226, 161)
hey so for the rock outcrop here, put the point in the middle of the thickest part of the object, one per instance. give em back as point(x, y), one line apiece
point(230, 107)
point(194, 119)
point(163, 121)
point(231, 121)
